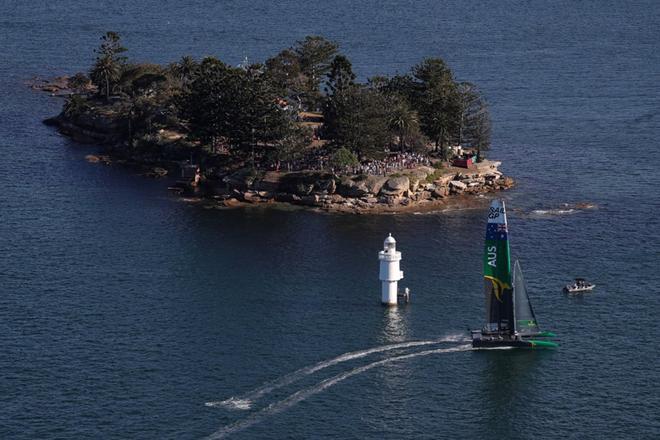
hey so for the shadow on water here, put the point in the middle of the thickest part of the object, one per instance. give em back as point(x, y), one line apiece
point(508, 383)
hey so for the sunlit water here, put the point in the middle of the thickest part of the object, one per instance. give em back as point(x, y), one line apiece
point(124, 311)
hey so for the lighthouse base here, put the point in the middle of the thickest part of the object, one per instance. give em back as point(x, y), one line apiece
point(389, 293)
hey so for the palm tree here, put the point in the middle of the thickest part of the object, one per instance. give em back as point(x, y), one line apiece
point(186, 68)
point(105, 73)
point(403, 121)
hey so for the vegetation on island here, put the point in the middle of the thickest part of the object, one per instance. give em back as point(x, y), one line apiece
point(302, 106)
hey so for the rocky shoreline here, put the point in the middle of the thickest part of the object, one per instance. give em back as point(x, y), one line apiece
point(226, 184)
point(419, 189)
point(423, 188)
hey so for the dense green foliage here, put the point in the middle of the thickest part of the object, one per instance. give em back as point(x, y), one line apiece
point(254, 111)
point(340, 76)
point(233, 106)
point(343, 157)
point(357, 118)
point(436, 99)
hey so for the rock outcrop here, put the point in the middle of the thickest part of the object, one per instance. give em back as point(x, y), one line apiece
point(396, 186)
point(420, 187)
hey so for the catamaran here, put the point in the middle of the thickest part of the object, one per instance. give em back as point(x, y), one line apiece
point(510, 319)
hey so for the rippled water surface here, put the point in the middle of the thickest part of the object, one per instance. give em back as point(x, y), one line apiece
point(124, 311)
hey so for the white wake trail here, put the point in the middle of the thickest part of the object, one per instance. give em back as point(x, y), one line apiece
point(244, 401)
point(303, 394)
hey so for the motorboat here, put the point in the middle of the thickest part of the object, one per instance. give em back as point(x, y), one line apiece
point(578, 286)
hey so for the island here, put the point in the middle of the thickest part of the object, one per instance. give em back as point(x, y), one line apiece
point(297, 129)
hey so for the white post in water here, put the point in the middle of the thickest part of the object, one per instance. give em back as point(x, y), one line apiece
point(390, 272)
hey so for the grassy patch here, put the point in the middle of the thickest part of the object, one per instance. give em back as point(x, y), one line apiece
point(436, 175)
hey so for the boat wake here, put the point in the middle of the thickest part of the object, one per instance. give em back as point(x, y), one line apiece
point(553, 211)
point(245, 401)
point(565, 209)
point(305, 393)
point(232, 403)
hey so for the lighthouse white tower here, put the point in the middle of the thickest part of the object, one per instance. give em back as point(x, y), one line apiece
point(390, 273)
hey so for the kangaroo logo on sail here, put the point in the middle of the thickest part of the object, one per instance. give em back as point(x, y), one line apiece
point(498, 287)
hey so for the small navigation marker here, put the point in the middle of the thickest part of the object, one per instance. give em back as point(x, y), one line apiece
point(390, 272)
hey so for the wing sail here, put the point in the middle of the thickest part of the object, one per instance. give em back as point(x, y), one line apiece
point(497, 272)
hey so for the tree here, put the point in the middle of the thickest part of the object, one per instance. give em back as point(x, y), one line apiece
point(404, 121)
point(79, 82)
point(137, 115)
point(146, 101)
point(283, 71)
point(401, 85)
point(147, 82)
point(378, 83)
point(467, 98)
point(206, 104)
point(357, 118)
point(75, 105)
point(184, 70)
point(478, 130)
point(340, 75)
point(233, 105)
point(268, 122)
point(105, 74)
point(474, 119)
point(314, 54)
point(140, 78)
point(435, 98)
point(293, 143)
point(109, 62)
point(343, 158)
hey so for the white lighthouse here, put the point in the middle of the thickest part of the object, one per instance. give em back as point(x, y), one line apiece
point(390, 273)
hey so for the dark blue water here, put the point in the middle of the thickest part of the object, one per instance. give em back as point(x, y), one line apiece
point(123, 310)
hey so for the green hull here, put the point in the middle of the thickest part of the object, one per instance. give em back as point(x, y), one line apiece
point(542, 344)
point(495, 340)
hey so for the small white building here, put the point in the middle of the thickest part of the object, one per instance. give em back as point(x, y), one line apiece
point(390, 271)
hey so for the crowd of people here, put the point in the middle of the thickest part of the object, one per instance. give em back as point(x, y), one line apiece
point(392, 163)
